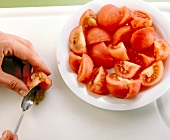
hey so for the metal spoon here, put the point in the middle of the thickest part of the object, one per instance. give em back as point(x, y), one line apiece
point(27, 102)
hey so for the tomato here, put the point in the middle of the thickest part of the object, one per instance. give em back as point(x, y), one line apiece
point(123, 34)
point(88, 19)
point(77, 41)
point(108, 17)
point(74, 61)
point(85, 68)
point(140, 19)
point(117, 86)
point(118, 51)
point(122, 88)
point(152, 74)
point(125, 15)
point(97, 83)
point(143, 38)
point(101, 56)
point(126, 69)
point(161, 49)
point(38, 78)
point(96, 35)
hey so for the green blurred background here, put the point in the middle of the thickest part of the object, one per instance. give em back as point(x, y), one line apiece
point(33, 3)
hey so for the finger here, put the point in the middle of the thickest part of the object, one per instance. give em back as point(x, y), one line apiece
point(7, 135)
point(13, 83)
point(15, 137)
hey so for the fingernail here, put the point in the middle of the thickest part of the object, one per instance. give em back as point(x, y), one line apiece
point(5, 135)
point(22, 92)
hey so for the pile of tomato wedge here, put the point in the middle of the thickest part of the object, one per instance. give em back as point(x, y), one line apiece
point(119, 40)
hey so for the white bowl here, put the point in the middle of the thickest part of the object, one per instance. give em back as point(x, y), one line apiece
point(109, 102)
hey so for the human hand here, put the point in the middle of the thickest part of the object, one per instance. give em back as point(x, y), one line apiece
point(11, 45)
point(8, 135)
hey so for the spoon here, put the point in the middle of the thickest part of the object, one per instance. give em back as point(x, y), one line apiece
point(27, 102)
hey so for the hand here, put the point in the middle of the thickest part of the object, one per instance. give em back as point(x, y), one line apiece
point(11, 45)
point(8, 135)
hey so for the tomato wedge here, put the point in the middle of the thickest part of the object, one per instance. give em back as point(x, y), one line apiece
point(153, 74)
point(85, 68)
point(126, 69)
point(97, 82)
point(125, 15)
point(77, 41)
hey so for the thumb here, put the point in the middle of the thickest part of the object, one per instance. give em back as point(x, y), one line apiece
point(13, 83)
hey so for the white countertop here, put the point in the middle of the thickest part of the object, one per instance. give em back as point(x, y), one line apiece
point(62, 115)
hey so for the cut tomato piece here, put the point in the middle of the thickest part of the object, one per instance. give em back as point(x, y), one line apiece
point(161, 49)
point(88, 20)
point(97, 83)
point(118, 51)
point(152, 74)
point(108, 17)
point(85, 68)
point(74, 61)
point(125, 15)
point(96, 35)
point(126, 69)
point(38, 78)
point(77, 41)
point(123, 34)
point(101, 56)
point(143, 38)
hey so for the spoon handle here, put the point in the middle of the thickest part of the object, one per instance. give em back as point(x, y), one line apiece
point(18, 123)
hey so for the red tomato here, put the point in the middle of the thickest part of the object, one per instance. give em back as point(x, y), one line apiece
point(77, 41)
point(143, 38)
point(125, 15)
point(118, 51)
point(123, 34)
point(140, 19)
point(74, 61)
point(85, 68)
point(108, 17)
point(101, 56)
point(38, 78)
point(88, 19)
point(161, 49)
point(126, 69)
point(152, 74)
point(96, 35)
point(97, 83)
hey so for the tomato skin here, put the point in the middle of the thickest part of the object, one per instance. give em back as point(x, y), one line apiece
point(126, 15)
point(101, 56)
point(143, 38)
point(38, 78)
point(118, 51)
point(108, 17)
point(74, 61)
point(97, 82)
point(152, 74)
point(77, 41)
point(161, 49)
point(126, 69)
point(96, 35)
point(122, 34)
point(85, 68)
point(88, 20)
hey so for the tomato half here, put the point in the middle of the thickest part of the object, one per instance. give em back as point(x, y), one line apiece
point(85, 68)
point(97, 82)
point(101, 56)
point(118, 51)
point(77, 41)
point(152, 74)
point(88, 20)
point(126, 69)
point(125, 15)
point(161, 49)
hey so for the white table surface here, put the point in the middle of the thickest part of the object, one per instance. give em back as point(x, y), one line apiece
point(62, 115)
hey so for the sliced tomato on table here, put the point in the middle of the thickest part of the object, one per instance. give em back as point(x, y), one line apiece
point(97, 82)
point(126, 69)
point(152, 74)
point(77, 41)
